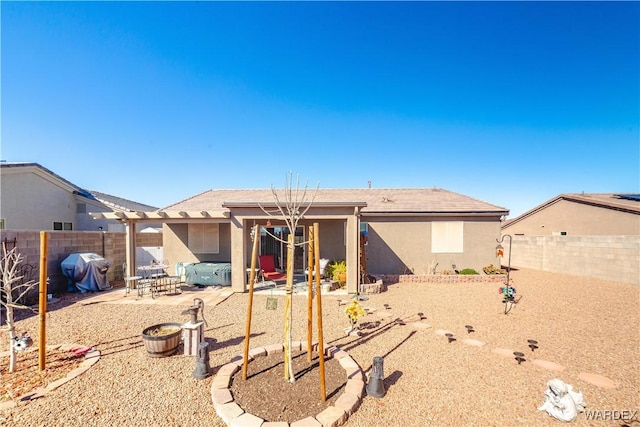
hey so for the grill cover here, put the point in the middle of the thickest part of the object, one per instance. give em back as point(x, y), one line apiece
point(86, 272)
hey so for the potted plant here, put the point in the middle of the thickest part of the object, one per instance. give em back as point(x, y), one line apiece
point(338, 272)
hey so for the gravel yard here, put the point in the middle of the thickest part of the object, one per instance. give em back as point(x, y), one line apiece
point(585, 325)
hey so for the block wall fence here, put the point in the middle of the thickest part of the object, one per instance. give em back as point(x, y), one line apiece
point(615, 258)
point(63, 243)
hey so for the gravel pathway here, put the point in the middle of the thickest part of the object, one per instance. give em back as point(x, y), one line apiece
point(585, 329)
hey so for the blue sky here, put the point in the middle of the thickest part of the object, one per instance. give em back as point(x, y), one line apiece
point(508, 102)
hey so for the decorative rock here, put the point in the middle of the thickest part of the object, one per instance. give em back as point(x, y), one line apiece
point(258, 351)
point(348, 402)
point(597, 380)
point(306, 422)
point(221, 381)
point(548, 365)
point(473, 342)
point(221, 396)
point(247, 420)
point(420, 325)
point(355, 387)
point(274, 348)
point(228, 369)
point(331, 417)
point(228, 411)
point(503, 352)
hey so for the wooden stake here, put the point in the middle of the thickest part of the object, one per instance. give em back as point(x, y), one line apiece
point(316, 245)
point(42, 311)
point(252, 277)
point(310, 275)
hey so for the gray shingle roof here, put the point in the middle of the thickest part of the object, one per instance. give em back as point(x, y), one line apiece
point(120, 204)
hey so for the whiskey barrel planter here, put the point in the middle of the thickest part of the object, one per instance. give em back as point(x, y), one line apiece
point(163, 339)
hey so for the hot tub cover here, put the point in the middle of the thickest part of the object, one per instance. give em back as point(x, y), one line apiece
point(87, 272)
point(208, 274)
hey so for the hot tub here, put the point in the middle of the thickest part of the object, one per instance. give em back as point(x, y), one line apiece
point(211, 273)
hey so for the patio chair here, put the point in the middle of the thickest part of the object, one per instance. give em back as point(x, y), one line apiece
point(323, 266)
point(130, 282)
point(172, 281)
point(268, 267)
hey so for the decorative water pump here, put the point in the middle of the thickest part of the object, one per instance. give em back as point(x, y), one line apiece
point(194, 328)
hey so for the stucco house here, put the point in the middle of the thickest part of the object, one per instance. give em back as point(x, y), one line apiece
point(590, 214)
point(400, 230)
point(35, 198)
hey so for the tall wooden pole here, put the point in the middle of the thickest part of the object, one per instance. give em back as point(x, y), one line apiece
point(252, 277)
point(42, 312)
point(316, 245)
point(310, 275)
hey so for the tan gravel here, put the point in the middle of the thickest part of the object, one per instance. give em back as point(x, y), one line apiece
point(586, 326)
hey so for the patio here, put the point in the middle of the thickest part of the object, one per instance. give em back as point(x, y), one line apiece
point(585, 329)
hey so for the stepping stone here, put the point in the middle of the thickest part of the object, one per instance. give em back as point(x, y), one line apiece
point(503, 352)
point(443, 332)
point(473, 342)
point(552, 366)
point(420, 325)
point(597, 380)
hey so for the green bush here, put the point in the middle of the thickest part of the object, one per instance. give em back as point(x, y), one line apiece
point(468, 271)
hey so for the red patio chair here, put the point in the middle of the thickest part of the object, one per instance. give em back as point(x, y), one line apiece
point(268, 267)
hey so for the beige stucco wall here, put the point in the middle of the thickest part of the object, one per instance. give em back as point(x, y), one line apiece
point(32, 202)
point(176, 244)
point(403, 246)
point(576, 219)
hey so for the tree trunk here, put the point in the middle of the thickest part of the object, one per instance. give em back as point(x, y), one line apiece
point(288, 359)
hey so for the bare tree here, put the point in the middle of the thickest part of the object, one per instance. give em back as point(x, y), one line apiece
point(291, 206)
point(12, 291)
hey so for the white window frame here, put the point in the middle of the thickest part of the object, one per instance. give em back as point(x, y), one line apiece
point(447, 237)
point(204, 238)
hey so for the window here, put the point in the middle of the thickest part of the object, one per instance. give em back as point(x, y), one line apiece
point(204, 238)
point(447, 237)
point(62, 226)
point(81, 208)
point(2, 224)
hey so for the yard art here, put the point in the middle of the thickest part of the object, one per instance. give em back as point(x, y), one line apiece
point(13, 290)
point(508, 292)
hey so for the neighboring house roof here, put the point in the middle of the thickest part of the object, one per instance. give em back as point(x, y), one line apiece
point(625, 202)
point(120, 204)
point(371, 200)
point(41, 171)
point(112, 202)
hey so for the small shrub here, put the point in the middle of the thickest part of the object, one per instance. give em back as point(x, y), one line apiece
point(468, 271)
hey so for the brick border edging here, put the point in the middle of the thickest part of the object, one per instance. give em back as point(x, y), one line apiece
point(90, 358)
point(346, 404)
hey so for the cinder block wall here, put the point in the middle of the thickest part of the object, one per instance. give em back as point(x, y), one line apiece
point(62, 243)
point(615, 258)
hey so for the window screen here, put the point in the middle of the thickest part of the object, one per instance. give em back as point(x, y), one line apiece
point(447, 237)
point(204, 238)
